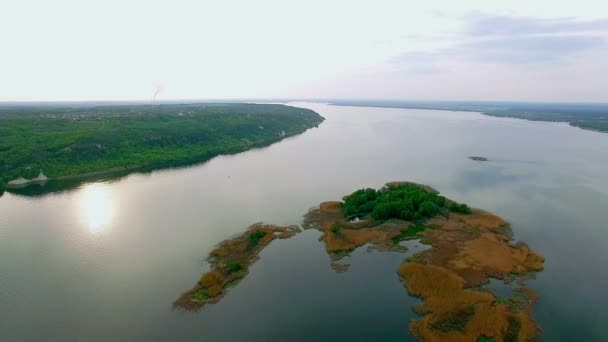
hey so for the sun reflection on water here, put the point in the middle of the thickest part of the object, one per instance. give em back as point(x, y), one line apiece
point(95, 207)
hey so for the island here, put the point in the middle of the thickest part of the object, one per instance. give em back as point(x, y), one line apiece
point(478, 158)
point(53, 142)
point(230, 263)
point(467, 247)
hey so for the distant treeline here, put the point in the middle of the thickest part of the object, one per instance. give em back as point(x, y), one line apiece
point(74, 140)
point(584, 115)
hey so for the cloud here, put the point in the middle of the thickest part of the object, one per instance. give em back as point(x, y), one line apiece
point(505, 25)
point(511, 40)
point(527, 49)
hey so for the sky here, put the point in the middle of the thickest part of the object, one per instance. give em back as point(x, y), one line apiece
point(410, 50)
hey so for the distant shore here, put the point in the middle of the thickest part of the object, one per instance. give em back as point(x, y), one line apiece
point(593, 119)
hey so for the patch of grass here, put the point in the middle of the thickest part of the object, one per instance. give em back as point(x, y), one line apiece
point(200, 295)
point(336, 228)
point(517, 302)
point(233, 282)
point(513, 330)
point(415, 258)
point(254, 238)
point(233, 267)
point(409, 233)
point(502, 300)
point(424, 241)
point(455, 320)
point(460, 208)
point(484, 338)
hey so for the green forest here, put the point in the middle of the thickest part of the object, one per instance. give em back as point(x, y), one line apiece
point(73, 140)
point(404, 201)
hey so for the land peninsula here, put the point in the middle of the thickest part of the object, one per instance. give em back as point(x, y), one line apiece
point(467, 248)
point(51, 142)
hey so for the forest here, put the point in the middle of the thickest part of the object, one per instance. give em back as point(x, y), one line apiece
point(399, 201)
point(72, 140)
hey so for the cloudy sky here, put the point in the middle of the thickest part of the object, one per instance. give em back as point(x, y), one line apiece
point(430, 50)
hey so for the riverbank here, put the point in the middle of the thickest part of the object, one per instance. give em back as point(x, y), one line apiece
point(67, 144)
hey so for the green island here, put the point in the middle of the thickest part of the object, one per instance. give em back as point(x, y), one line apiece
point(467, 247)
point(43, 142)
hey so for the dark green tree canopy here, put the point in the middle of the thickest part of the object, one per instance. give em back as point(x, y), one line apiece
point(402, 201)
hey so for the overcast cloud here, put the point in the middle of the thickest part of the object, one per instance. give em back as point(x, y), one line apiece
point(465, 50)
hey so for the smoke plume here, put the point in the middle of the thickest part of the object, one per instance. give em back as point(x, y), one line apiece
point(157, 89)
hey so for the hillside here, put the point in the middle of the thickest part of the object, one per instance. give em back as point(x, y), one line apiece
point(62, 141)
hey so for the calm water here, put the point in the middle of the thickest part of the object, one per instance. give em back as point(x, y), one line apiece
point(106, 260)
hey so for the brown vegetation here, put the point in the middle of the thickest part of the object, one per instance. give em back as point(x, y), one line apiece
point(230, 262)
point(341, 236)
point(454, 313)
point(467, 250)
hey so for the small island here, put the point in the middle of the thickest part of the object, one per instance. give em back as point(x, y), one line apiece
point(230, 262)
point(478, 158)
point(41, 143)
point(467, 247)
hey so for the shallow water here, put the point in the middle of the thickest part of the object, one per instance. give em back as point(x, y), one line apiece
point(106, 260)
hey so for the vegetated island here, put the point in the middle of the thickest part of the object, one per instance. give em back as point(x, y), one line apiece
point(478, 158)
point(590, 116)
point(43, 142)
point(230, 263)
point(468, 247)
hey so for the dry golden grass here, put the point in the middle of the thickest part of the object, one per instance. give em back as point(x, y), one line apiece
point(240, 250)
point(212, 278)
point(478, 246)
point(466, 251)
point(350, 235)
point(492, 252)
point(446, 298)
point(349, 239)
point(214, 291)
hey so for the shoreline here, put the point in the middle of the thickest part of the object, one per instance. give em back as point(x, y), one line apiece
point(570, 123)
point(148, 168)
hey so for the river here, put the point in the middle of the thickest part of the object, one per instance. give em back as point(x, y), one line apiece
point(105, 260)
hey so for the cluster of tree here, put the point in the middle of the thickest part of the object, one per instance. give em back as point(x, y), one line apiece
point(460, 208)
point(404, 201)
point(601, 126)
point(75, 140)
point(254, 238)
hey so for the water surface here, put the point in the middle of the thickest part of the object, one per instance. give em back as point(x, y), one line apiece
point(104, 261)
